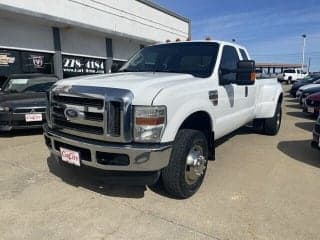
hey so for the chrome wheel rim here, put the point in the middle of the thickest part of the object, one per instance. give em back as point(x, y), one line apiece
point(278, 119)
point(195, 164)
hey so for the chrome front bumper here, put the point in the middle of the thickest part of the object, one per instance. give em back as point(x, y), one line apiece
point(142, 157)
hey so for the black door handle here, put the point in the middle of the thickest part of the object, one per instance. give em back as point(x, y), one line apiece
point(213, 97)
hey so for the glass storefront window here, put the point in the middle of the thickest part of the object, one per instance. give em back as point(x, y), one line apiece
point(20, 62)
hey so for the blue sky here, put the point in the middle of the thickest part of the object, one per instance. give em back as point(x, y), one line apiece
point(270, 29)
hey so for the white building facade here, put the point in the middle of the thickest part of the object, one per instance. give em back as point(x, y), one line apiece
point(75, 37)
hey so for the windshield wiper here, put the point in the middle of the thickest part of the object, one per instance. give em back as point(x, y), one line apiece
point(10, 91)
point(126, 70)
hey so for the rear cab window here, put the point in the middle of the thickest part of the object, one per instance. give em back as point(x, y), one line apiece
point(243, 54)
point(289, 71)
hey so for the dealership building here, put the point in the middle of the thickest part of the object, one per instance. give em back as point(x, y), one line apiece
point(76, 37)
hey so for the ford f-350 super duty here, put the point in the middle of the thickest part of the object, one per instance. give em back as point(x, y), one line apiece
point(162, 113)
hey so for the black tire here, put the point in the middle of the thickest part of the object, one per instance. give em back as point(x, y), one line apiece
point(272, 125)
point(174, 176)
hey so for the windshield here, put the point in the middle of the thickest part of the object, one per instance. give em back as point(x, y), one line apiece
point(197, 59)
point(20, 85)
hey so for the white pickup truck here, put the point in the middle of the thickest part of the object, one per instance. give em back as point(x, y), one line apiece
point(292, 75)
point(160, 116)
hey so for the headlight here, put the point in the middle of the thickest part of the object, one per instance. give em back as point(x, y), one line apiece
point(4, 109)
point(149, 123)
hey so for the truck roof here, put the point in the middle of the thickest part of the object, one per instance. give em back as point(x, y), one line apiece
point(207, 41)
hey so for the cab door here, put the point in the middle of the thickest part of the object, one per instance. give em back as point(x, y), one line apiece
point(231, 107)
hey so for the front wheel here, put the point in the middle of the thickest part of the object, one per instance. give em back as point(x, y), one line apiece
point(188, 163)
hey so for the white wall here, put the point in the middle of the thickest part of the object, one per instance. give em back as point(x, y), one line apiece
point(21, 34)
point(88, 43)
point(122, 17)
point(124, 48)
point(82, 42)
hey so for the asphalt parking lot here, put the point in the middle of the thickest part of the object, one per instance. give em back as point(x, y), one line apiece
point(259, 187)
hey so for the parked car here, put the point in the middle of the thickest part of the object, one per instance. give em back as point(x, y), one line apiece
point(307, 86)
point(316, 135)
point(292, 75)
point(315, 84)
point(23, 101)
point(305, 93)
point(161, 114)
point(305, 81)
point(312, 104)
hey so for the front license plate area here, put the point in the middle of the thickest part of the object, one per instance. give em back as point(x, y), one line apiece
point(310, 110)
point(33, 117)
point(69, 156)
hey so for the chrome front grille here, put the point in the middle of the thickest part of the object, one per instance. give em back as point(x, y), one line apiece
point(79, 101)
point(114, 119)
point(30, 110)
point(105, 115)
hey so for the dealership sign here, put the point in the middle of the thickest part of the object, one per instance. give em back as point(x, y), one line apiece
point(6, 59)
point(13, 61)
point(37, 61)
point(33, 62)
point(82, 65)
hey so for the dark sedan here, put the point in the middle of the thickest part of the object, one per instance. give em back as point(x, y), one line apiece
point(23, 101)
point(306, 93)
point(308, 80)
point(312, 104)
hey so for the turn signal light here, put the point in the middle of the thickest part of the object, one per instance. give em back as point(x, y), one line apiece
point(253, 76)
point(150, 121)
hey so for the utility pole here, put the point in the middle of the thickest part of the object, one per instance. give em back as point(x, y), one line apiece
point(309, 65)
point(304, 36)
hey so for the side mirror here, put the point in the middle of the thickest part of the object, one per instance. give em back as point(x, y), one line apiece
point(246, 74)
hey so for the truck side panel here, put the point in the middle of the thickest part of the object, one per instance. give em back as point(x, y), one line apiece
point(267, 97)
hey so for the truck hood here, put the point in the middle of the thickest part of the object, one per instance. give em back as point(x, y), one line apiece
point(144, 85)
point(22, 99)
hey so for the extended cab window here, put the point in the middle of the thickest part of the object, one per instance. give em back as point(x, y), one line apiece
point(229, 61)
point(244, 54)
point(289, 71)
point(196, 58)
